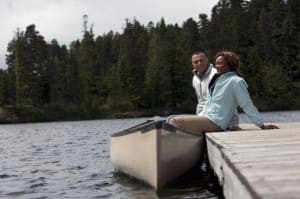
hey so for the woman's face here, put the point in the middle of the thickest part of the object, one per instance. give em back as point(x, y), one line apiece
point(221, 65)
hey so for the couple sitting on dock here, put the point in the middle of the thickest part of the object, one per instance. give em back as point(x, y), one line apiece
point(220, 91)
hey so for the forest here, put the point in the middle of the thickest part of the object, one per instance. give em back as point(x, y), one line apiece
point(146, 69)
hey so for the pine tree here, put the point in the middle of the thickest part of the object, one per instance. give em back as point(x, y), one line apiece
point(86, 59)
point(291, 32)
point(132, 61)
point(3, 87)
point(16, 67)
point(57, 74)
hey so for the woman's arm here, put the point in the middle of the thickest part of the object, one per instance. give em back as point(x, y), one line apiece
point(245, 102)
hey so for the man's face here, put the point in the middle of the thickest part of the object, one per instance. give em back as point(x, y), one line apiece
point(200, 62)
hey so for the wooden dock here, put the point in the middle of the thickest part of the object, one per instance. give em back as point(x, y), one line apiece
point(256, 163)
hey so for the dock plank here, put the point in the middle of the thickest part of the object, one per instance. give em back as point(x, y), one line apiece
point(255, 163)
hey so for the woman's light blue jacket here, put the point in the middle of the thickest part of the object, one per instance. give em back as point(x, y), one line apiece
point(230, 91)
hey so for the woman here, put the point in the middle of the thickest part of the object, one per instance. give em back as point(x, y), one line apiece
point(228, 90)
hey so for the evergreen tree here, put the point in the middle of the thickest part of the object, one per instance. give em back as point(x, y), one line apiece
point(154, 75)
point(149, 67)
point(277, 83)
point(57, 74)
point(191, 36)
point(254, 59)
point(3, 87)
point(72, 74)
point(86, 64)
point(204, 34)
point(132, 61)
point(16, 67)
point(291, 32)
point(35, 78)
point(107, 53)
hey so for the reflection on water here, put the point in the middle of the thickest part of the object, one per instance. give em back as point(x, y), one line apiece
point(71, 160)
point(198, 183)
point(276, 116)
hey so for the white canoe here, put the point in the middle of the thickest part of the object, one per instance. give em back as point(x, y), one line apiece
point(155, 152)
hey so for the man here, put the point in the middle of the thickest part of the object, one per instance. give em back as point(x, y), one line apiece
point(203, 74)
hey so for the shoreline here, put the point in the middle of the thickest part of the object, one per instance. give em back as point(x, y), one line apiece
point(13, 116)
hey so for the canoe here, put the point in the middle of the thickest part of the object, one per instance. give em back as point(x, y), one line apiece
point(155, 152)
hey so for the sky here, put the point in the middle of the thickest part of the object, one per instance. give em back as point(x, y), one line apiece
point(62, 19)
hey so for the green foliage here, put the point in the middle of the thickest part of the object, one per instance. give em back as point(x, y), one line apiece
point(115, 100)
point(148, 68)
point(279, 89)
point(3, 87)
point(132, 61)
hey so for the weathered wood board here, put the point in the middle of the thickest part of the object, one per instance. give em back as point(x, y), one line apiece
point(255, 163)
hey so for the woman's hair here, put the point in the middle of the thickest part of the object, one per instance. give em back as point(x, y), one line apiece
point(231, 59)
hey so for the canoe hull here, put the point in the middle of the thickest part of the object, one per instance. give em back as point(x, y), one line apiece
point(155, 153)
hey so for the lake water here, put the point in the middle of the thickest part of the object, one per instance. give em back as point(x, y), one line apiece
point(71, 160)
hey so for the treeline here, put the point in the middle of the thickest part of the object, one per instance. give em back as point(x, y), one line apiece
point(147, 69)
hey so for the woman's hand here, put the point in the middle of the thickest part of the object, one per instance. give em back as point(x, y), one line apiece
point(234, 128)
point(270, 126)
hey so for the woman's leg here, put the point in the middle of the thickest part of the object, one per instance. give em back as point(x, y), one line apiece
point(196, 124)
point(168, 119)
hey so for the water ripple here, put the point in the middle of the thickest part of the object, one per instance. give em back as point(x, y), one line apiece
point(7, 176)
point(37, 185)
point(71, 160)
point(17, 193)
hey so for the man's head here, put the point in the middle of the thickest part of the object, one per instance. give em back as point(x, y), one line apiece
point(199, 61)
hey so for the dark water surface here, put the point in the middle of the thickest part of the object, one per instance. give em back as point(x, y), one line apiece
point(71, 160)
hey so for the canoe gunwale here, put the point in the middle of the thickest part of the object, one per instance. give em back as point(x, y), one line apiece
point(152, 124)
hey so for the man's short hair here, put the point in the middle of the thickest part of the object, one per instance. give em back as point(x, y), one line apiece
point(199, 52)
